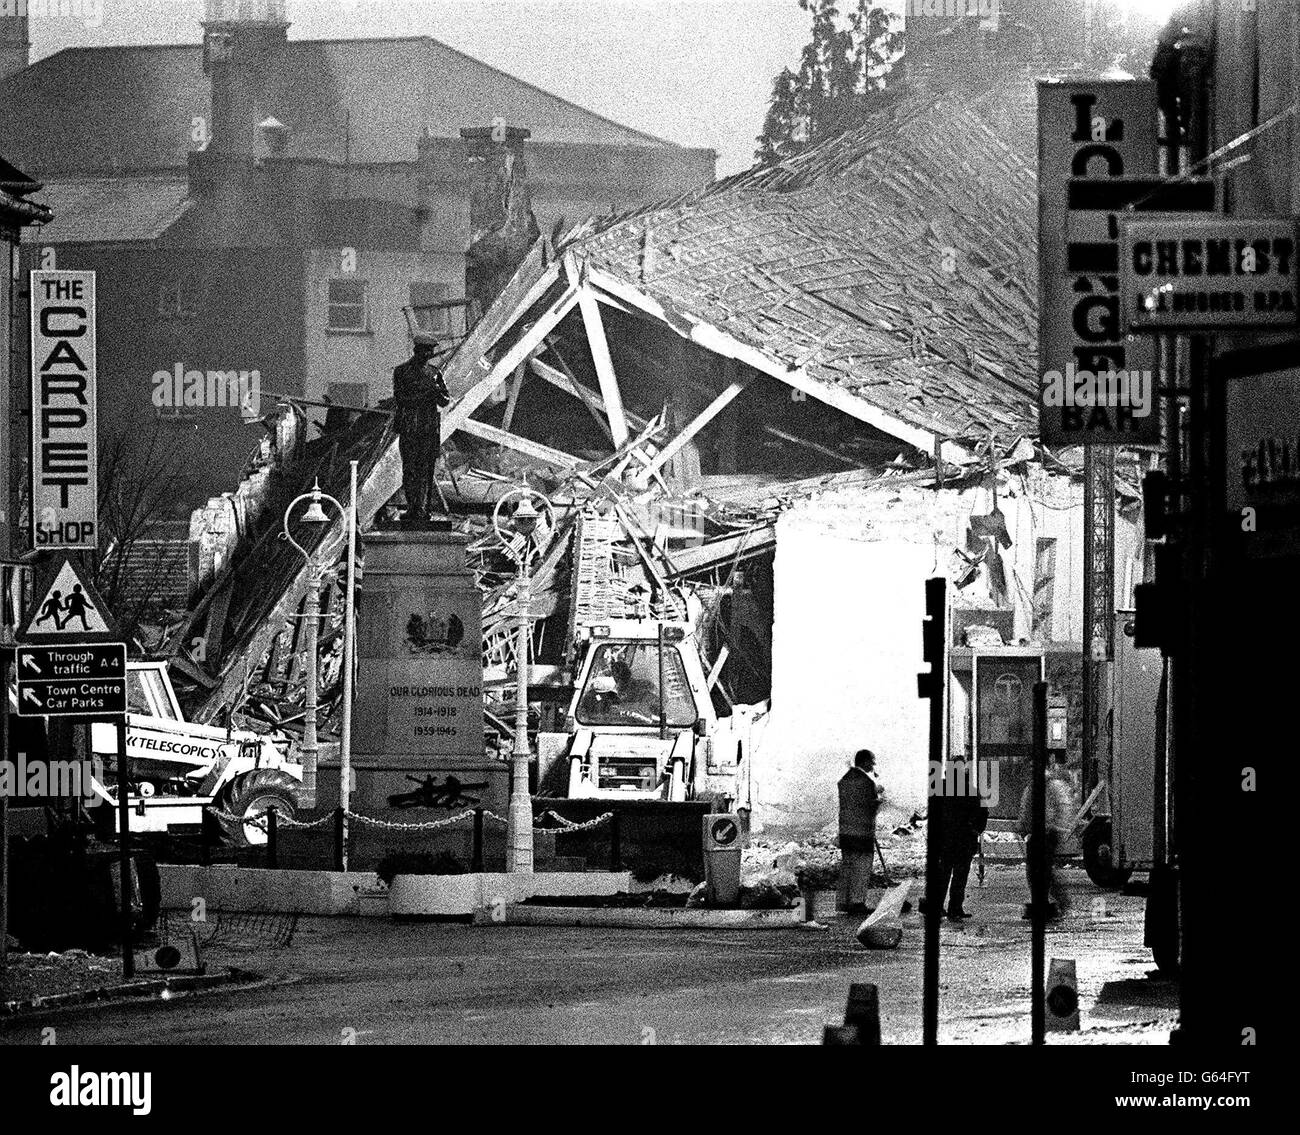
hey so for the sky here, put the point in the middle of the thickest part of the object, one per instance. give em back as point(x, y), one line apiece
point(696, 72)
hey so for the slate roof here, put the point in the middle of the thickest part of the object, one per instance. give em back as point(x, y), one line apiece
point(117, 209)
point(896, 262)
point(130, 108)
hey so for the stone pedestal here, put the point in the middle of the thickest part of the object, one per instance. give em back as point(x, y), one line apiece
point(419, 690)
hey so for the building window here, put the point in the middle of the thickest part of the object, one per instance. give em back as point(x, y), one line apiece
point(349, 308)
point(433, 313)
point(178, 299)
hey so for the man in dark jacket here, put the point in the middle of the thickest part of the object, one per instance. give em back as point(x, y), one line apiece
point(419, 394)
point(965, 817)
point(860, 793)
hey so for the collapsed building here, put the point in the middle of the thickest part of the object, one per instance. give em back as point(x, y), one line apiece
point(775, 405)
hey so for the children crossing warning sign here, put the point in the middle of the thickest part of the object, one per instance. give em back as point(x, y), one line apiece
point(69, 611)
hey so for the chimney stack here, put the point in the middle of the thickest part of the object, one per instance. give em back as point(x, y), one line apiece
point(240, 39)
point(15, 45)
point(502, 227)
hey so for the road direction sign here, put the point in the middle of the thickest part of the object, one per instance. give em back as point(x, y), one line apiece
point(77, 680)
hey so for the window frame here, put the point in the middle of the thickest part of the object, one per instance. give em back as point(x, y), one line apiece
point(331, 305)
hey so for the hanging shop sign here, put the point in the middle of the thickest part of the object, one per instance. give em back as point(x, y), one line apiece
point(1096, 382)
point(63, 466)
point(1183, 274)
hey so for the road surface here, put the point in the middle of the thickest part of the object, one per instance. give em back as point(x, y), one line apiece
point(372, 981)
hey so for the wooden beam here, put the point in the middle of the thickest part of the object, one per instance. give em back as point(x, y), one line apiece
point(513, 400)
point(533, 449)
point(493, 375)
point(825, 451)
point(570, 384)
point(702, 419)
point(565, 380)
point(719, 342)
point(604, 364)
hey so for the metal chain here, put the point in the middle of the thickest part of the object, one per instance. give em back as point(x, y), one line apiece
point(260, 822)
point(394, 826)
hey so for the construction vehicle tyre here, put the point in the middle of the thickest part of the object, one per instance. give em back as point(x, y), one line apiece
point(1098, 855)
point(252, 794)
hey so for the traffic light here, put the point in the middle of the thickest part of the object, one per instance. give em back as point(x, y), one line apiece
point(1160, 616)
point(934, 636)
point(1155, 505)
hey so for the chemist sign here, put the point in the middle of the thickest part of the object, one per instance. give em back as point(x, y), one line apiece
point(63, 410)
point(1209, 274)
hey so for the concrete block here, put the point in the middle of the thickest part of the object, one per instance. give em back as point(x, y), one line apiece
point(282, 891)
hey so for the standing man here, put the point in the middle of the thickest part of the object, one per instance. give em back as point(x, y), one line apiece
point(965, 817)
point(860, 793)
point(419, 395)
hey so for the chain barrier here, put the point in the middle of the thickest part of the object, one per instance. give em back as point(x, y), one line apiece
point(393, 825)
point(561, 826)
point(567, 826)
point(259, 821)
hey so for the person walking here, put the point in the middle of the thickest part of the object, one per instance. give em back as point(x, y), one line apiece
point(965, 816)
point(1058, 817)
point(860, 793)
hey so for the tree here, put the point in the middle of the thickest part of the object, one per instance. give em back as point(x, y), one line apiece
point(143, 470)
point(842, 71)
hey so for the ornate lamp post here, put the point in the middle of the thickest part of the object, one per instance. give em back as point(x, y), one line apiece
point(315, 514)
point(522, 524)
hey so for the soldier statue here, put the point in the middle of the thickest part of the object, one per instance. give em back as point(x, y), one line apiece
point(419, 395)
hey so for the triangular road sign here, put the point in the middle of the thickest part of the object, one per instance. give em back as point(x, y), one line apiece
point(69, 610)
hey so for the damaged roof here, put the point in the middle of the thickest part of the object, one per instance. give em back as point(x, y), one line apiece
point(895, 263)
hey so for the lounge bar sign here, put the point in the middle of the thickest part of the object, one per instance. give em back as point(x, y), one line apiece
point(1210, 274)
point(1096, 382)
point(64, 471)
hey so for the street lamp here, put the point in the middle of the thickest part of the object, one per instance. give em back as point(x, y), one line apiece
point(315, 514)
point(522, 524)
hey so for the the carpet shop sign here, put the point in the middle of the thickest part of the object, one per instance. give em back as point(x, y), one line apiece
point(64, 478)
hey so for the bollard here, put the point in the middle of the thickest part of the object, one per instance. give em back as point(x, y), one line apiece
point(861, 1018)
point(476, 863)
point(1062, 997)
point(338, 838)
point(863, 1011)
point(272, 832)
point(615, 843)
